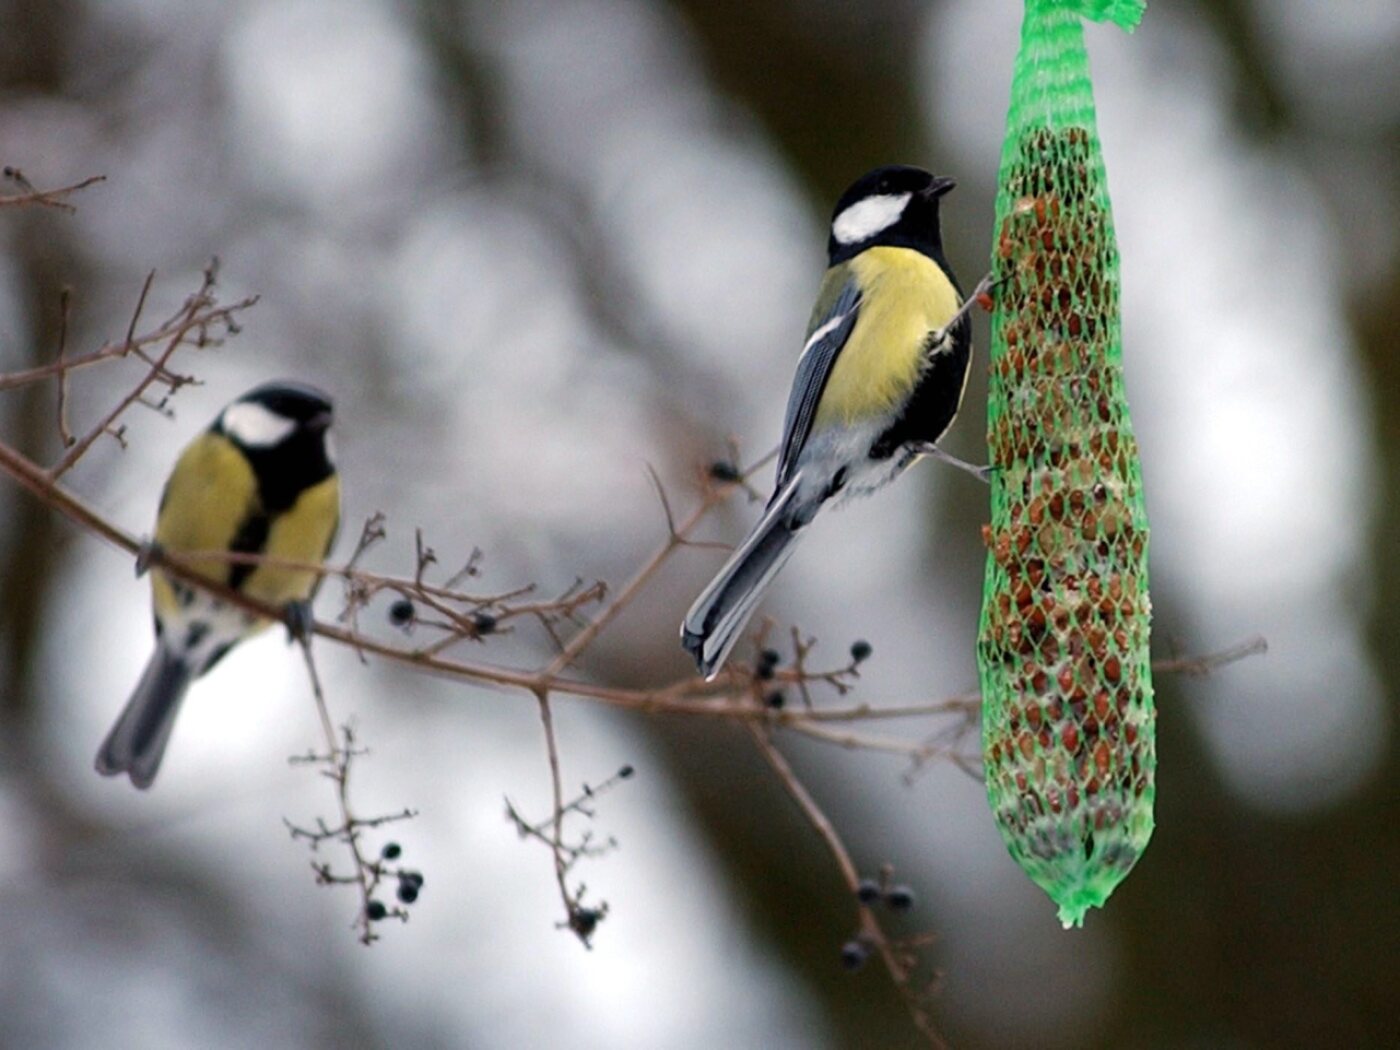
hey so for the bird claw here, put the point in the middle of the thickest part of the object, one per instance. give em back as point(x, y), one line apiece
point(148, 554)
point(982, 473)
point(981, 292)
point(299, 620)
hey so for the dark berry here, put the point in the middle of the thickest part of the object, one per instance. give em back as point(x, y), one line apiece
point(415, 877)
point(484, 623)
point(723, 470)
point(408, 891)
point(625, 772)
point(853, 955)
point(775, 699)
point(391, 851)
point(771, 657)
point(860, 651)
point(900, 898)
point(401, 613)
point(375, 911)
point(764, 671)
point(585, 920)
point(868, 891)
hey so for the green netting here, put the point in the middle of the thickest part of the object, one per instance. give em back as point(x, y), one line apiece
point(1067, 717)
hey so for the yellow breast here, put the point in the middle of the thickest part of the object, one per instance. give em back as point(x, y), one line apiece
point(209, 497)
point(905, 297)
point(303, 533)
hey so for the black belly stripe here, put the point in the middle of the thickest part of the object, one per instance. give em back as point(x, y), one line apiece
point(251, 538)
point(931, 410)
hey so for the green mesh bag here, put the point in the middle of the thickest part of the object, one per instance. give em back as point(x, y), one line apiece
point(1067, 716)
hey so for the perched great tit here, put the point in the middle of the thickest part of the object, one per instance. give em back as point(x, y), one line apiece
point(879, 381)
point(260, 480)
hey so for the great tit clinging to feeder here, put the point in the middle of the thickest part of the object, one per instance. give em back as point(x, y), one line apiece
point(879, 382)
point(260, 480)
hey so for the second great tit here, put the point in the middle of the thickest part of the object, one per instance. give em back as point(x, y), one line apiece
point(879, 381)
point(260, 480)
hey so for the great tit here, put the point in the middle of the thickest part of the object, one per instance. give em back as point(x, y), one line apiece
point(260, 480)
point(880, 380)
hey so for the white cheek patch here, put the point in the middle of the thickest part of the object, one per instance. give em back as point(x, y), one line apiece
point(865, 218)
point(250, 424)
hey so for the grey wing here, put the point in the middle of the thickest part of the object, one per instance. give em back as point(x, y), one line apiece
point(828, 335)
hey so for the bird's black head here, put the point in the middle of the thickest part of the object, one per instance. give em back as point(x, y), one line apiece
point(895, 206)
point(283, 428)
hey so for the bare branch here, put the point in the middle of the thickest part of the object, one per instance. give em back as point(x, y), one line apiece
point(44, 198)
point(900, 969)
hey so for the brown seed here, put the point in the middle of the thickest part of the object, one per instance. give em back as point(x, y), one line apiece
point(1035, 620)
point(1103, 757)
point(1035, 571)
point(1112, 669)
point(1069, 738)
point(1098, 641)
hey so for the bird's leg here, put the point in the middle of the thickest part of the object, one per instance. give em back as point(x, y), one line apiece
point(299, 620)
point(982, 474)
point(984, 286)
point(149, 553)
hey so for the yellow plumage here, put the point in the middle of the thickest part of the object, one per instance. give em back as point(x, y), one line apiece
point(906, 296)
point(303, 533)
point(215, 492)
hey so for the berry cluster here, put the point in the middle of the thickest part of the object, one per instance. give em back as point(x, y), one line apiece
point(403, 614)
point(410, 882)
point(897, 897)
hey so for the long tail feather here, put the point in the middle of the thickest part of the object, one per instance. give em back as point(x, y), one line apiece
point(137, 742)
point(716, 620)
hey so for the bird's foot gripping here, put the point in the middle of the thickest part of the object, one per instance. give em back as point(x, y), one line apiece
point(982, 474)
point(149, 553)
point(981, 296)
point(299, 620)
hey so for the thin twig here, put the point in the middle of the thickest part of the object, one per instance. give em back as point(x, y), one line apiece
point(871, 931)
point(187, 321)
point(64, 434)
point(44, 198)
point(208, 315)
point(1196, 666)
point(676, 536)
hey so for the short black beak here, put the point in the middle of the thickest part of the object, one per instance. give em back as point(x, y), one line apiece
point(940, 185)
point(321, 421)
